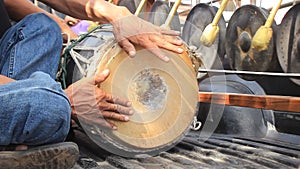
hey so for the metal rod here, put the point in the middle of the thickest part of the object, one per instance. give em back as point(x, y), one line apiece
point(287, 4)
point(289, 75)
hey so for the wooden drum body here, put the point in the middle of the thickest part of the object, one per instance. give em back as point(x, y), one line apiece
point(164, 97)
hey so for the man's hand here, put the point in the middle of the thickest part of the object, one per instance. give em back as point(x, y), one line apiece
point(71, 21)
point(94, 106)
point(131, 30)
point(5, 80)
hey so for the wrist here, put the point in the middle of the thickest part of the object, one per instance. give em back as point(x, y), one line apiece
point(119, 13)
point(105, 11)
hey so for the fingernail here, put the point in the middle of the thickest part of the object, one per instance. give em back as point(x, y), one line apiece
point(177, 32)
point(180, 50)
point(131, 53)
point(128, 104)
point(105, 72)
point(114, 127)
point(166, 59)
point(178, 41)
point(126, 118)
point(131, 112)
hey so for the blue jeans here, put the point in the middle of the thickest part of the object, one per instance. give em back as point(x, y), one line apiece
point(34, 109)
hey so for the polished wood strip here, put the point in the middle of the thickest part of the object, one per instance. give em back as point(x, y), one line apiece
point(271, 102)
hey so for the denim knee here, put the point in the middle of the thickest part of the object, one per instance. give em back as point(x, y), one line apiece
point(50, 111)
point(49, 117)
point(34, 111)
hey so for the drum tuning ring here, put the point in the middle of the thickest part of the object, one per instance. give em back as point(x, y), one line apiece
point(68, 41)
point(196, 124)
point(195, 57)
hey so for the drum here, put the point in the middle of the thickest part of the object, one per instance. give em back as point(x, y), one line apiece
point(164, 95)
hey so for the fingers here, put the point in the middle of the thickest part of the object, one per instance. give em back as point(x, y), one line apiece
point(101, 76)
point(122, 108)
point(128, 47)
point(157, 52)
point(174, 40)
point(169, 32)
point(117, 100)
point(133, 30)
point(71, 21)
point(154, 42)
point(168, 43)
point(99, 121)
point(115, 116)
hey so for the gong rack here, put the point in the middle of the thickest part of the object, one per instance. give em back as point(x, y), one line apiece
point(272, 102)
point(243, 72)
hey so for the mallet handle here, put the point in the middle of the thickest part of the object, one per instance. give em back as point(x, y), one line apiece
point(273, 12)
point(219, 12)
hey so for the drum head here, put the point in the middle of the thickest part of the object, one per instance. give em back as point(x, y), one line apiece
point(288, 42)
point(163, 95)
point(241, 28)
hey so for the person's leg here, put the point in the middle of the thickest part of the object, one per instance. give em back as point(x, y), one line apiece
point(34, 111)
point(33, 44)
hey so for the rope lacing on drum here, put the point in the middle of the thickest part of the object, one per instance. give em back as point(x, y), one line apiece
point(70, 52)
point(195, 58)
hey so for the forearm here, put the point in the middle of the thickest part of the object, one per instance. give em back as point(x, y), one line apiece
point(18, 9)
point(5, 80)
point(94, 10)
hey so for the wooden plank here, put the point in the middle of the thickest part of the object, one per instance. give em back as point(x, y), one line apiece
point(270, 102)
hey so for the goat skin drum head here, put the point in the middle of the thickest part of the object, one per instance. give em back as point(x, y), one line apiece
point(164, 97)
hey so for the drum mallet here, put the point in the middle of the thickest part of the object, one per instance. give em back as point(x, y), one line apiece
point(170, 17)
point(140, 7)
point(263, 35)
point(211, 30)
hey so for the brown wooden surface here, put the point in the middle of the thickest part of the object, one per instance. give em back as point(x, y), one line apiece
point(271, 102)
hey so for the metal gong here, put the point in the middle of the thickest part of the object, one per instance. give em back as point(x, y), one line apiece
point(131, 5)
point(241, 28)
point(159, 13)
point(288, 42)
point(198, 18)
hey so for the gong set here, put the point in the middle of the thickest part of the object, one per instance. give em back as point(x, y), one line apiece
point(164, 96)
point(237, 36)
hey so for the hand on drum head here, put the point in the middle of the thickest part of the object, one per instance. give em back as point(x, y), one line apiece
point(92, 105)
point(131, 30)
